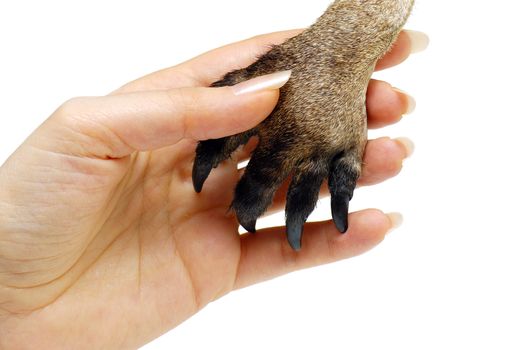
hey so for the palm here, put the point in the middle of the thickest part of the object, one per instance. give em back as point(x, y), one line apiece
point(168, 240)
point(158, 247)
point(192, 237)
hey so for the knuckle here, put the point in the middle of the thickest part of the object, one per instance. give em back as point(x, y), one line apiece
point(71, 107)
point(71, 110)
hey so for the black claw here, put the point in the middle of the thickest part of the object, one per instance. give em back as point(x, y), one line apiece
point(295, 233)
point(340, 211)
point(200, 173)
point(208, 155)
point(250, 226)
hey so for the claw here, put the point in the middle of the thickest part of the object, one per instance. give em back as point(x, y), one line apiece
point(250, 226)
point(294, 233)
point(340, 211)
point(200, 173)
point(208, 155)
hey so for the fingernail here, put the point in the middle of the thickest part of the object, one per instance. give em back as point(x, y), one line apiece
point(408, 145)
point(419, 41)
point(266, 82)
point(396, 221)
point(411, 102)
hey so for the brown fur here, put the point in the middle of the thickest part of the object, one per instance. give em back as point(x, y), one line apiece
point(319, 127)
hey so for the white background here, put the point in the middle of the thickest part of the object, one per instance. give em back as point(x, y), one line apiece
point(453, 277)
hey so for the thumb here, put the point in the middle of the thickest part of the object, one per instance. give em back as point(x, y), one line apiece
point(115, 126)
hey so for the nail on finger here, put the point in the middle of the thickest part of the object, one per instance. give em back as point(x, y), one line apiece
point(419, 40)
point(407, 144)
point(410, 100)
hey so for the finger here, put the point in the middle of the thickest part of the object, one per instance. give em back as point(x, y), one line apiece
point(383, 159)
point(267, 254)
point(209, 67)
point(408, 42)
point(115, 126)
point(386, 105)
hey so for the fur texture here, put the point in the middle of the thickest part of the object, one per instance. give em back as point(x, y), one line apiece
point(318, 130)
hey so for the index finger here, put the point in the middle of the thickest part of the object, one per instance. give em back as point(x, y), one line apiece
point(203, 70)
point(211, 66)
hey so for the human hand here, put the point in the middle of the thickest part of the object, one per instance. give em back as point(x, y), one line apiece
point(103, 241)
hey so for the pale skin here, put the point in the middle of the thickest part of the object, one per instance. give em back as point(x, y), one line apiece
point(103, 241)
